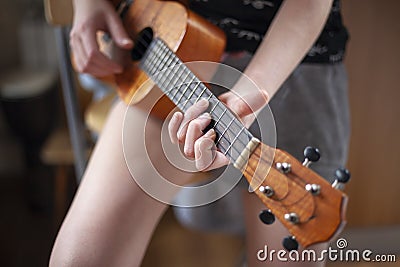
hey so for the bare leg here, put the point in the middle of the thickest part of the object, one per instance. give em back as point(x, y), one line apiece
point(111, 219)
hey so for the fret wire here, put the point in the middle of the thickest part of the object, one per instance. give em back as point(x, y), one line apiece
point(166, 86)
point(233, 118)
point(224, 137)
point(201, 93)
point(185, 69)
point(155, 50)
point(157, 63)
point(164, 50)
point(171, 66)
point(163, 64)
point(231, 152)
point(214, 106)
point(179, 82)
point(152, 60)
point(153, 57)
point(234, 139)
point(158, 80)
point(236, 121)
point(191, 93)
point(152, 69)
point(220, 116)
point(148, 57)
point(219, 123)
point(176, 80)
point(171, 59)
point(226, 129)
point(183, 82)
point(168, 90)
point(218, 120)
point(237, 124)
point(178, 102)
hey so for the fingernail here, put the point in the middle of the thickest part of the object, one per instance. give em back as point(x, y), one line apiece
point(174, 116)
point(188, 151)
point(205, 115)
point(210, 133)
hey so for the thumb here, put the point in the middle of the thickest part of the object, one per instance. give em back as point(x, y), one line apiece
point(118, 32)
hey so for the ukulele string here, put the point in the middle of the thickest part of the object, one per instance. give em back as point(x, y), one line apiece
point(155, 58)
point(143, 49)
point(233, 121)
point(145, 46)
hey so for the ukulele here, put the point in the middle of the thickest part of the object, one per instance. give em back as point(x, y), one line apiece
point(166, 34)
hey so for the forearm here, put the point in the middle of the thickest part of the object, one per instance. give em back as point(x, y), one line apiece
point(292, 33)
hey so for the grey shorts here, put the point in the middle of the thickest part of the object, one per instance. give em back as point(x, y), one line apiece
point(310, 109)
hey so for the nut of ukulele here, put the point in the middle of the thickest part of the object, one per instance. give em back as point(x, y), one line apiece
point(342, 176)
point(311, 155)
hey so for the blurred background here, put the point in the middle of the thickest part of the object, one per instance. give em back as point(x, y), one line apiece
point(38, 179)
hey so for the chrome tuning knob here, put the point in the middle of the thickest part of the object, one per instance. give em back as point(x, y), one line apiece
point(311, 154)
point(342, 176)
point(314, 189)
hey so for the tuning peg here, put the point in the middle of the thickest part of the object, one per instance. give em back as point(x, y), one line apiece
point(342, 176)
point(290, 243)
point(314, 189)
point(284, 167)
point(311, 154)
point(267, 217)
point(267, 190)
point(292, 217)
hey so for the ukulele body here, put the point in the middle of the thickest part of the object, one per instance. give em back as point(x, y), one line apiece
point(191, 37)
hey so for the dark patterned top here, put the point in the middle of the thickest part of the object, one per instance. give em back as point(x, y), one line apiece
point(246, 21)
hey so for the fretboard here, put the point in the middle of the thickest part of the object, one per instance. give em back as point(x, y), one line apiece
point(182, 86)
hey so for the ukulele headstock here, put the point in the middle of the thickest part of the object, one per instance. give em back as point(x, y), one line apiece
point(310, 207)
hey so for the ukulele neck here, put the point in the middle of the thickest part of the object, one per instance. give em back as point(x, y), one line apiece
point(183, 88)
